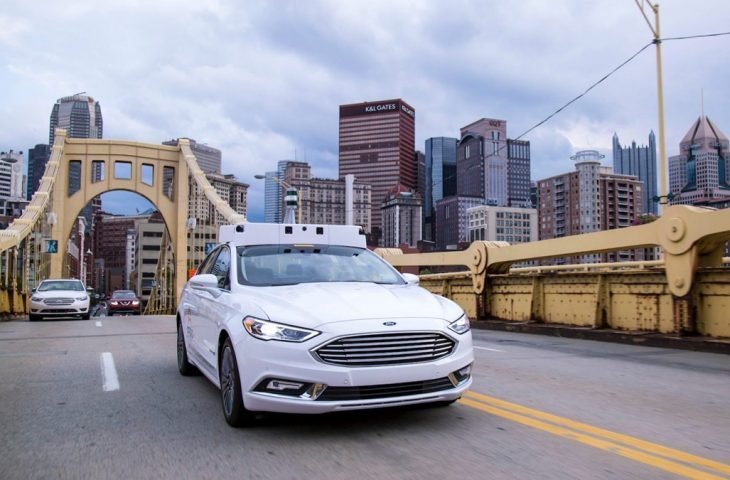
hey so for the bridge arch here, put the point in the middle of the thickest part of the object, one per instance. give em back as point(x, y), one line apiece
point(87, 168)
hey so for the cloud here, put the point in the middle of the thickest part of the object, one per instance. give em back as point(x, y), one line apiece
point(263, 80)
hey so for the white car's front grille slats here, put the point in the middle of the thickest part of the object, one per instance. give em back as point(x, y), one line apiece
point(58, 301)
point(386, 349)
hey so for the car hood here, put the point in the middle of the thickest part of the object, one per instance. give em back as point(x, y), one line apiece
point(314, 304)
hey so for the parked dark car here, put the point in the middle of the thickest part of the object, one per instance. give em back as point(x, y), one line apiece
point(124, 301)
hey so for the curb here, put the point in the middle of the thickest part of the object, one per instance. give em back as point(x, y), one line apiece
point(694, 343)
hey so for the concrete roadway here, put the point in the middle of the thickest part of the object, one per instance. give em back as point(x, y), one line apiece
point(103, 399)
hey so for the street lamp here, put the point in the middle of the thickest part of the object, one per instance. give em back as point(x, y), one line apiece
point(660, 95)
point(291, 199)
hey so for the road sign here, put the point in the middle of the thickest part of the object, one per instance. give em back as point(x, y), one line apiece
point(51, 246)
point(209, 246)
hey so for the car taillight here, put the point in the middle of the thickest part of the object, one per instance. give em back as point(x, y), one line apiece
point(135, 302)
point(114, 302)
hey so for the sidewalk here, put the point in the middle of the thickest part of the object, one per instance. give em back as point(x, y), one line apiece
point(696, 343)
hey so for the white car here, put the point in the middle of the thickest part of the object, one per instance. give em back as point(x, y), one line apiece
point(59, 298)
point(305, 319)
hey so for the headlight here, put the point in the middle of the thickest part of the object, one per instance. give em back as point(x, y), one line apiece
point(461, 325)
point(36, 299)
point(265, 330)
point(81, 299)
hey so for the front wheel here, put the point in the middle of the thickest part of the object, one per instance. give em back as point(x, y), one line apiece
point(86, 316)
point(185, 368)
point(32, 317)
point(231, 393)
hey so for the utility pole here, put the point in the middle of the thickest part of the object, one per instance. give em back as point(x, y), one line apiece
point(660, 96)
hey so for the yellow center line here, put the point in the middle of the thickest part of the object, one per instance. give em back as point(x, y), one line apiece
point(600, 443)
point(618, 437)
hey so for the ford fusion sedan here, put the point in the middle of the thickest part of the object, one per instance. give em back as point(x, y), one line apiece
point(59, 298)
point(305, 319)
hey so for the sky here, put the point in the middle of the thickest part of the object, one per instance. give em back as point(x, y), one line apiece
point(263, 81)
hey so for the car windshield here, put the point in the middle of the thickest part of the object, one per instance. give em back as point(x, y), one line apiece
point(264, 265)
point(124, 295)
point(52, 285)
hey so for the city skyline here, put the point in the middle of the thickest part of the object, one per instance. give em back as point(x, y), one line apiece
point(264, 84)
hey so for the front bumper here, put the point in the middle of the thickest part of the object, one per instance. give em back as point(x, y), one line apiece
point(78, 307)
point(348, 387)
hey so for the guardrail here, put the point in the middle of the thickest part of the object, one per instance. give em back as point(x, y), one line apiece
point(688, 292)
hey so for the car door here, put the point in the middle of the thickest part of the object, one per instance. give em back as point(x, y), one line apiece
point(214, 306)
point(194, 308)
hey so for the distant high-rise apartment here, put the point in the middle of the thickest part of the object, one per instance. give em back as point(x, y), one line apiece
point(439, 179)
point(639, 161)
point(377, 145)
point(209, 159)
point(700, 174)
point(322, 200)
point(402, 216)
point(589, 199)
point(38, 157)
point(79, 115)
point(12, 179)
point(227, 187)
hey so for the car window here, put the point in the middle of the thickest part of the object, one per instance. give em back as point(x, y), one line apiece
point(49, 286)
point(290, 264)
point(124, 295)
point(207, 262)
point(220, 268)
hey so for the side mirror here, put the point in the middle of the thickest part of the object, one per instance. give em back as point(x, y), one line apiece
point(410, 278)
point(32, 290)
point(205, 282)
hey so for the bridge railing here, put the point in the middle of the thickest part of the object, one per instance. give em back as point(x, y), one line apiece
point(682, 293)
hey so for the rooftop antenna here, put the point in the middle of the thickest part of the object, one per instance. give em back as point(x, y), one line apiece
point(702, 100)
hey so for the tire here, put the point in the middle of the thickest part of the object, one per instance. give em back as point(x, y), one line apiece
point(86, 316)
point(234, 412)
point(185, 368)
point(32, 317)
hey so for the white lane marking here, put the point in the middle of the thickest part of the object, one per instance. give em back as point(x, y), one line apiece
point(490, 349)
point(98, 324)
point(109, 372)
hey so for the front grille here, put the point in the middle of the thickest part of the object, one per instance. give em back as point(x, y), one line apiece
point(374, 392)
point(386, 349)
point(58, 301)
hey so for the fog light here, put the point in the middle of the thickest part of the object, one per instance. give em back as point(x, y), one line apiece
point(314, 391)
point(278, 386)
point(460, 376)
point(283, 385)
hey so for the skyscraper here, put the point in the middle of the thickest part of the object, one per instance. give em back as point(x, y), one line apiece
point(518, 173)
point(79, 114)
point(481, 163)
point(439, 179)
point(700, 173)
point(209, 159)
point(639, 161)
point(273, 212)
point(38, 157)
point(377, 145)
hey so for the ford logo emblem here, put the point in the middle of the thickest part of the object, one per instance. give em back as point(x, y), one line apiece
point(388, 324)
